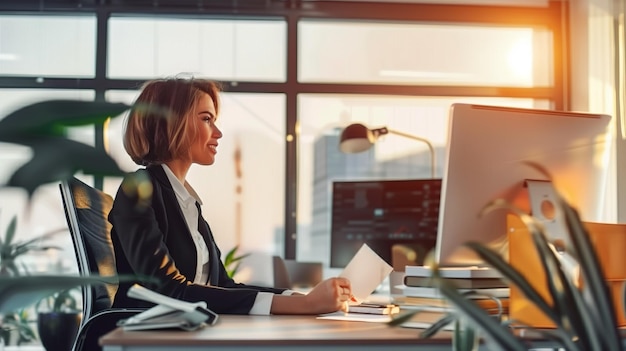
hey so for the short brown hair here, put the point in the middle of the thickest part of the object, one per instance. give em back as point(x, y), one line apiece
point(152, 139)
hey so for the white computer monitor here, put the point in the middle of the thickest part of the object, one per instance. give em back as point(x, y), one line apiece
point(487, 147)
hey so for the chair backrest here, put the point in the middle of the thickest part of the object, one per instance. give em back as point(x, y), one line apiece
point(281, 276)
point(304, 274)
point(86, 211)
point(291, 274)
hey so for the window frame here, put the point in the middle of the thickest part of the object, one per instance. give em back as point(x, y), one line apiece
point(552, 15)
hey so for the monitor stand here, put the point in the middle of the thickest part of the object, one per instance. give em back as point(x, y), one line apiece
point(544, 207)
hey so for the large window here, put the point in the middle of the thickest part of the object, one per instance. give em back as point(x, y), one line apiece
point(293, 78)
point(146, 47)
point(401, 53)
point(48, 46)
point(418, 55)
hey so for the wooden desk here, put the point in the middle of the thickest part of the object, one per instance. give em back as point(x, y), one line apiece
point(261, 333)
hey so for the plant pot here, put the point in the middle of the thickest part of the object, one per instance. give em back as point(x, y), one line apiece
point(57, 330)
point(9, 336)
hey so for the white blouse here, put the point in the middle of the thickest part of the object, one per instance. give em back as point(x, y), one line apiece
point(187, 198)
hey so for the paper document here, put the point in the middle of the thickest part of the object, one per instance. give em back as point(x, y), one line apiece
point(357, 317)
point(365, 271)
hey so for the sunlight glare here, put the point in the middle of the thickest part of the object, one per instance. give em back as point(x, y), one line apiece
point(521, 58)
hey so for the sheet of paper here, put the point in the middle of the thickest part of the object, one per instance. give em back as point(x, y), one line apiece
point(365, 271)
point(356, 317)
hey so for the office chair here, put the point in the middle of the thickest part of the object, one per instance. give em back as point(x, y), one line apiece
point(86, 212)
point(304, 274)
point(290, 274)
point(281, 276)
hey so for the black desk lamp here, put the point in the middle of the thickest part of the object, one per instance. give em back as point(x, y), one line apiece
point(358, 138)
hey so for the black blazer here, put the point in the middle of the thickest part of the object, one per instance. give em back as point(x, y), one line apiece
point(151, 239)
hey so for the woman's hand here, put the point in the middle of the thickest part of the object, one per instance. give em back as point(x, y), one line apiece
point(328, 296)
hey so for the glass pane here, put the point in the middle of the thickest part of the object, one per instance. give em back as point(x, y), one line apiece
point(220, 49)
point(51, 46)
point(322, 118)
point(254, 126)
point(44, 212)
point(401, 53)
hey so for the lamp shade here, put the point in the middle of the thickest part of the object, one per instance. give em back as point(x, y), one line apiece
point(356, 138)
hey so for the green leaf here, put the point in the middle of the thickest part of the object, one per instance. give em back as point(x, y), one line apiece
point(564, 294)
point(438, 325)
point(508, 272)
point(594, 279)
point(51, 117)
point(230, 255)
point(231, 261)
point(500, 334)
point(464, 338)
point(513, 276)
point(402, 318)
point(22, 291)
point(55, 160)
point(562, 291)
point(10, 233)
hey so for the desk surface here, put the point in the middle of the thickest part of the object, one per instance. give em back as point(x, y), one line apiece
point(275, 333)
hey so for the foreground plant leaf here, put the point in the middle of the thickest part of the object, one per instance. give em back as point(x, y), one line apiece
point(602, 311)
point(51, 117)
point(234, 261)
point(439, 325)
point(465, 336)
point(499, 334)
point(508, 272)
point(23, 291)
point(57, 159)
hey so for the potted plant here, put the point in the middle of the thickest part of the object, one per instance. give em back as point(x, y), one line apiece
point(58, 320)
point(42, 127)
point(17, 328)
point(12, 249)
point(232, 261)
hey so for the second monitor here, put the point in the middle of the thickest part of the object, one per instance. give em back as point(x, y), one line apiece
point(384, 214)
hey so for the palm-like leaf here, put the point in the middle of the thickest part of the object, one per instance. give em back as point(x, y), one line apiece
point(498, 333)
point(603, 312)
point(10, 234)
point(57, 159)
point(579, 327)
point(49, 118)
point(22, 291)
point(232, 262)
point(568, 311)
point(10, 249)
point(42, 126)
point(465, 337)
point(439, 325)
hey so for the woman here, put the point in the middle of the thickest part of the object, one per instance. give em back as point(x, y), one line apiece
point(158, 230)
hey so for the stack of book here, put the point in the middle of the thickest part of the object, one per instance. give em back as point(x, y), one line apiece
point(483, 285)
point(374, 308)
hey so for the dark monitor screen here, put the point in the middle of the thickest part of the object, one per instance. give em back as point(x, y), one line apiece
point(382, 214)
